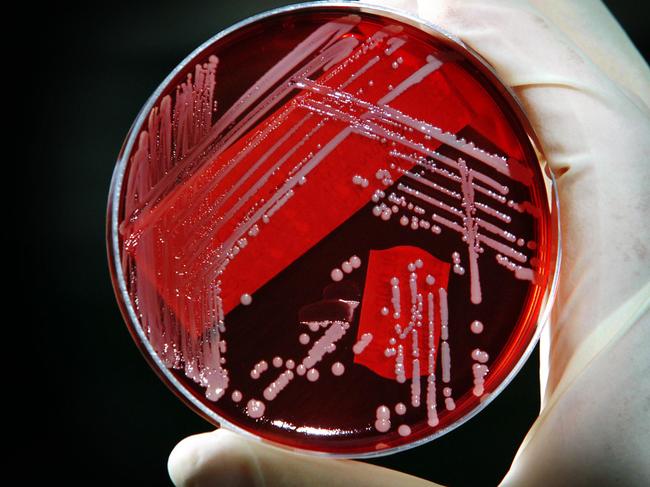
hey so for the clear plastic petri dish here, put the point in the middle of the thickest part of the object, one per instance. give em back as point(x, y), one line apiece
point(331, 228)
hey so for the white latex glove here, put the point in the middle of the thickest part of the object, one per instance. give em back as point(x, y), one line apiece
point(586, 91)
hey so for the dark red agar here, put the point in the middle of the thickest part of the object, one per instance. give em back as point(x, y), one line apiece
point(331, 229)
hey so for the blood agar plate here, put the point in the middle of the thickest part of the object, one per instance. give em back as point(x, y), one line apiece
point(331, 228)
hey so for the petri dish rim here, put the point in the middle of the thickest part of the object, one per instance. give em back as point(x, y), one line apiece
point(112, 223)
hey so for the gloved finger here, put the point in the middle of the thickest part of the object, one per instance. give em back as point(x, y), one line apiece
point(575, 443)
point(225, 459)
point(593, 30)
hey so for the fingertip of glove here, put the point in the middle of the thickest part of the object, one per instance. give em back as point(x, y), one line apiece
point(211, 459)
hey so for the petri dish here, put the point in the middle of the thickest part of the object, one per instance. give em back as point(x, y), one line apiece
point(331, 228)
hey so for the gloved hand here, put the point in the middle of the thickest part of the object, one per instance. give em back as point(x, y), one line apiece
point(586, 91)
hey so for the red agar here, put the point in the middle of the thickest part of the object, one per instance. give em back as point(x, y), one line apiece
point(333, 231)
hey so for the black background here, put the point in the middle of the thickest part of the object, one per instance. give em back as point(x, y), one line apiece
point(91, 410)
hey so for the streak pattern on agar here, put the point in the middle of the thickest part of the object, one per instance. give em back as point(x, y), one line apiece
point(220, 202)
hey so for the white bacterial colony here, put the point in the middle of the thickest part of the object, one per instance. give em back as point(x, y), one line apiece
point(480, 356)
point(312, 375)
point(519, 271)
point(255, 409)
point(449, 401)
point(275, 387)
point(259, 369)
point(360, 181)
point(337, 274)
point(458, 269)
point(382, 421)
point(432, 414)
point(479, 370)
point(444, 336)
point(394, 283)
point(476, 327)
point(362, 343)
point(338, 368)
point(404, 430)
